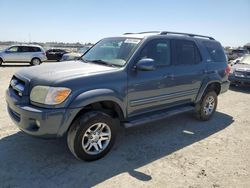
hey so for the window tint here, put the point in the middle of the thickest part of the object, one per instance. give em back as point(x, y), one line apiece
point(34, 49)
point(215, 51)
point(24, 49)
point(186, 53)
point(159, 50)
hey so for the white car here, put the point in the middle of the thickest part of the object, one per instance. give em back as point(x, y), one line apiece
point(32, 54)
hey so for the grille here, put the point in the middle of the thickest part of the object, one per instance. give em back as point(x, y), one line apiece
point(239, 74)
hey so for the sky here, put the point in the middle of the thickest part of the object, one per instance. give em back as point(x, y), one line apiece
point(228, 21)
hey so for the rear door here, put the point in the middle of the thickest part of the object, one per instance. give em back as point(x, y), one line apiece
point(24, 54)
point(186, 73)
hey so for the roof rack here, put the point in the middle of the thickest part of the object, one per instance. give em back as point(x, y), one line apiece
point(143, 32)
point(186, 34)
point(172, 33)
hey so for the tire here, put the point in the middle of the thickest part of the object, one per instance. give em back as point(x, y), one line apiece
point(79, 135)
point(35, 61)
point(1, 61)
point(205, 109)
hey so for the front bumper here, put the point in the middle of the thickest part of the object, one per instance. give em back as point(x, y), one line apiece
point(239, 80)
point(36, 121)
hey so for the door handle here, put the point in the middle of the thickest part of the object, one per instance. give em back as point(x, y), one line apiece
point(208, 72)
point(171, 76)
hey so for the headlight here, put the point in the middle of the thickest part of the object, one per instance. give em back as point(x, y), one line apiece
point(49, 95)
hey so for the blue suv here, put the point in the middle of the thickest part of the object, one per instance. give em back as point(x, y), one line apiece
point(127, 81)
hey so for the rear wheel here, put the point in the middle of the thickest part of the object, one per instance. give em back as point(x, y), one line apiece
point(35, 61)
point(92, 135)
point(205, 109)
point(1, 61)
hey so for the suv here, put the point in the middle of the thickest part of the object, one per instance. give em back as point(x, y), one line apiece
point(127, 80)
point(32, 54)
point(240, 72)
point(55, 54)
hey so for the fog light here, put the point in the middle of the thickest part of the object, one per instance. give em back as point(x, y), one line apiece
point(38, 123)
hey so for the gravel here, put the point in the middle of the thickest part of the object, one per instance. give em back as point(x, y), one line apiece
point(176, 152)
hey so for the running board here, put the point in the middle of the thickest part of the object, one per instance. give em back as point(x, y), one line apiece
point(157, 116)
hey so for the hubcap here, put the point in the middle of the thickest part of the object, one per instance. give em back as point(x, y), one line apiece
point(36, 62)
point(209, 105)
point(96, 138)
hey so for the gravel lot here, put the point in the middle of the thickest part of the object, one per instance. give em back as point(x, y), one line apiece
point(176, 152)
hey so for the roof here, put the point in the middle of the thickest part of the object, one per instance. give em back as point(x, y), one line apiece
point(31, 45)
point(152, 33)
point(248, 44)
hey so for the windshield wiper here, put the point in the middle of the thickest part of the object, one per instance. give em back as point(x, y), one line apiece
point(99, 61)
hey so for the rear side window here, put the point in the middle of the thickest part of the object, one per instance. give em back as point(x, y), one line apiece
point(186, 53)
point(215, 51)
point(34, 49)
point(24, 49)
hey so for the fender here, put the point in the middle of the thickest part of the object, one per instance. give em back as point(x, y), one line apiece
point(1, 57)
point(204, 86)
point(98, 95)
point(86, 98)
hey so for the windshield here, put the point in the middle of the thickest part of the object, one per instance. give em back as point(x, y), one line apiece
point(245, 60)
point(113, 51)
point(83, 49)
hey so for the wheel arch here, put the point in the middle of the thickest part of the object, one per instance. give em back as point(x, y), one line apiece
point(100, 100)
point(2, 58)
point(212, 85)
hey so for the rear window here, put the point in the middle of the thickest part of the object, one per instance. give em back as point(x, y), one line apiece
point(215, 51)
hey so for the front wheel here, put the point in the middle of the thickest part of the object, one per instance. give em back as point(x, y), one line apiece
point(205, 109)
point(1, 61)
point(92, 135)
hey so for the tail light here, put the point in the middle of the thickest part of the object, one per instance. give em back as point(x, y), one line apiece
point(227, 70)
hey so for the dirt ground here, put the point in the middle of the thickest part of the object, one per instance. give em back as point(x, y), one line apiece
point(176, 152)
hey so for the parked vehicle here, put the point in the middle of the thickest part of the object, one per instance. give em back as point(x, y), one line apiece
point(32, 54)
point(121, 81)
point(55, 54)
point(240, 72)
point(75, 55)
point(237, 53)
point(233, 62)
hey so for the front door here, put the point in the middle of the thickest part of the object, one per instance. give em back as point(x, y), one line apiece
point(12, 54)
point(145, 91)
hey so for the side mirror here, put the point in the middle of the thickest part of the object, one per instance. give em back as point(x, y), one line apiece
point(145, 64)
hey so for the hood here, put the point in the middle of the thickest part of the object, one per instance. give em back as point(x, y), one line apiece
point(51, 72)
point(241, 67)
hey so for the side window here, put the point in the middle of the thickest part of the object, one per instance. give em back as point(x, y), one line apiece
point(186, 53)
point(215, 51)
point(34, 49)
point(37, 49)
point(13, 49)
point(24, 49)
point(159, 50)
